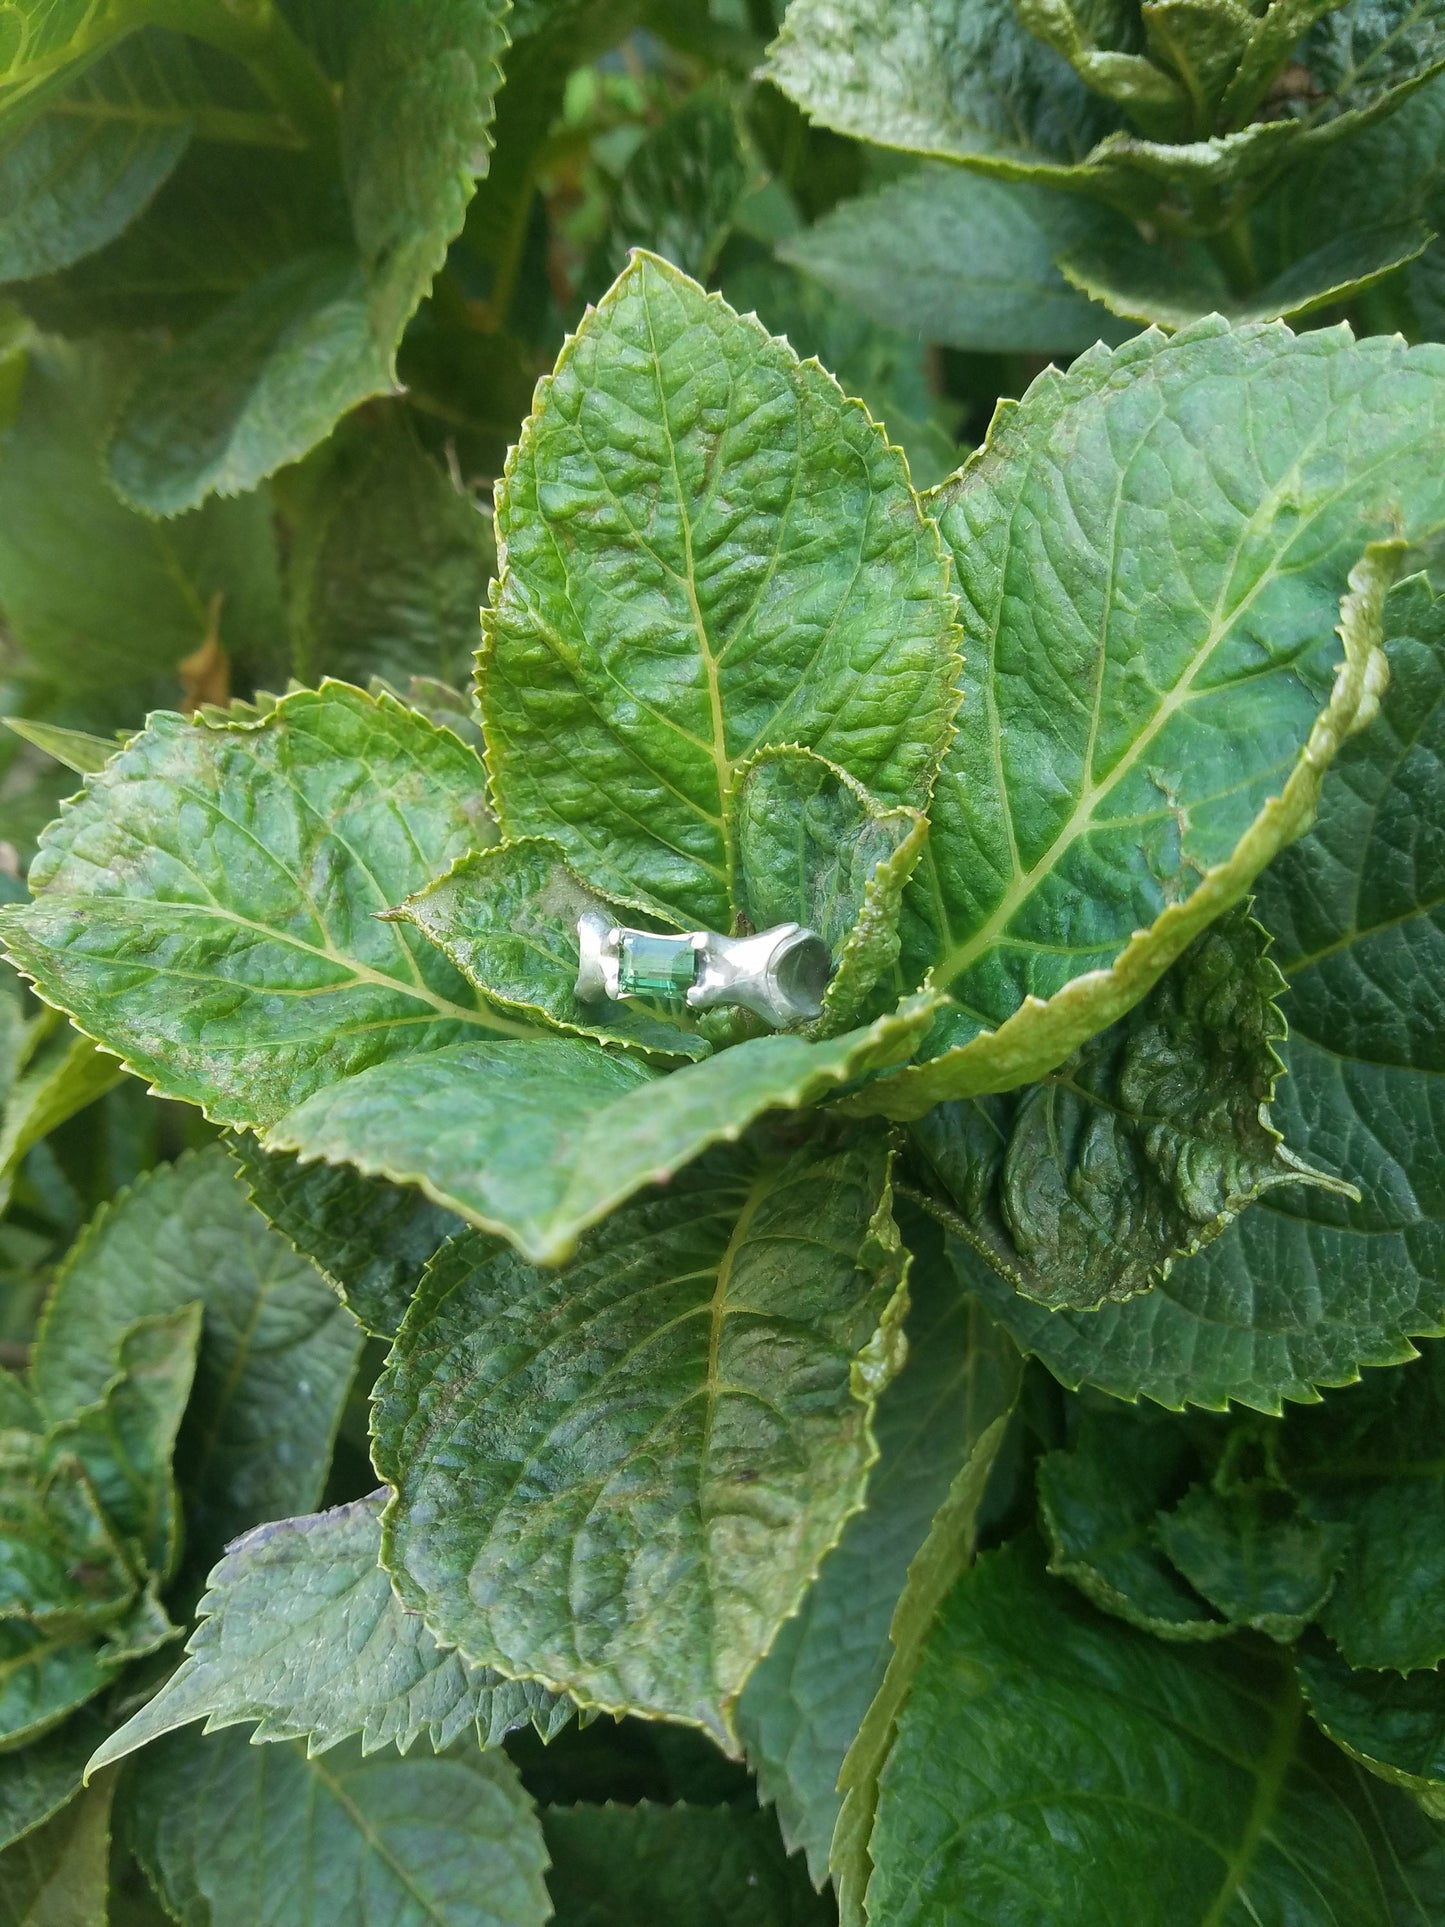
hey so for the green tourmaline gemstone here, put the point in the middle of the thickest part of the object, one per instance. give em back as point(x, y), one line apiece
point(656, 966)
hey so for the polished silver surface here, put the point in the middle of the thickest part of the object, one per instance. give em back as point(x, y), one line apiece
point(779, 974)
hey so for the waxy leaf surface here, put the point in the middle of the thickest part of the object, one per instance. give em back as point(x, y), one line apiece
point(707, 549)
point(1355, 913)
point(208, 909)
point(665, 1437)
point(301, 1633)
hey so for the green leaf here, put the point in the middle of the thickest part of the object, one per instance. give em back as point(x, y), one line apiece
point(1184, 1777)
point(68, 186)
point(614, 1866)
point(962, 261)
point(801, 1709)
point(815, 848)
point(373, 1240)
point(1395, 1726)
point(62, 1073)
point(48, 47)
point(147, 594)
point(271, 373)
point(1255, 1552)
point(946, 1552)
point(276, 1354)
point(507, 918)
point(1358, 939)
point(1154, 671)
point(208, 909)
point(388, 561)
point(706, 550)
point(422, 1842)
point(77, 750)
point(1369, 55)
point(43, 1678)
point(1368, 1460)
point(679, 193)
point(1142, 281)
point(57, 1876)
point(62, 1568)
point(1099, 1503)
point(126, 1439)
point(301, 1632)
point(1142, 1147)
point(692, 1395)
point(538, 1141)
point(36, 1781)
point(957, 79)
point(888, 368)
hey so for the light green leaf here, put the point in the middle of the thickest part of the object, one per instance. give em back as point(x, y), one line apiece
point(706, 550)
point(58, 1875)
point(537, 1141)
point(276, 1349)
point(614, 1866)
point(1357, 936)
point(422, 1842)
point(1157, 100)
point(1139, 1149)
point(148, 593)
point(125, 1440)
point(507, 918)
point(36, 1781)
point(946, 1552)
point(373, 1240)
point(1186, 1778)
point(1395, 1726)
point(1368, 1460)
point(387, 563)
point(956, 79)
point(78, 751)
point(887, 368)
point(801, 1709)
point(301, 1632)
point(1099, 1503)
point(62, 1073)
point(271, 373)
point(48, 46)
point(679, 192)
point(815, 848)
point(962, 261)
point(1154, 665)
point(1145, 282)
point(1254, 1552)
point(692, 1395)
point(208, 910)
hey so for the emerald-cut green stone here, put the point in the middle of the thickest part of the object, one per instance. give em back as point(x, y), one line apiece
point(656, 966)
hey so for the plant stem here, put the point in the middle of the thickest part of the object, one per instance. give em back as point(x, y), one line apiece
point(1233, 249)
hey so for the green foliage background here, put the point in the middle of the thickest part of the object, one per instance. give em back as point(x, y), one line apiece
point(963, 475)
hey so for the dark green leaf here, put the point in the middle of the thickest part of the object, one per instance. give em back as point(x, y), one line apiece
point(62, 1073)
point(44, 1677)
point(148, 594)
point(388, 561)
point(1254, 1552)
point(692, 1395)
point(614, 1866)
point(802, 1708)
point(539, 1140)
point(276, 1350)
point(36, 1781)
point(57, 1876)
point(68, 186)
point(679, 192)
point(1354, 912)
point(1370, 54)
point(815, 848)
point(373, 1240)
point(961, 260)
point(301, 1633)
point(507, 918)
point(1139, 1149)
point(1154, 674)
point(209, 909)
point(423, 1842)
point(1393, 1725)
point(1100, 1502)
point(1185, 1778)
point(63, 1570)
point(706, 550)
point(270, 374)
